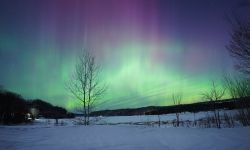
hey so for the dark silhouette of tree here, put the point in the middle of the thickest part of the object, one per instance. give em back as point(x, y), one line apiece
point(13, 108)
point(177, 98)
point(213, 96)
point(239, 46)
point(238, 88)
point(47, 110)
point(85, 84)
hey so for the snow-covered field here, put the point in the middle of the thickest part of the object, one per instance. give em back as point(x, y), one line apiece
point(122, 137)
point(44, 135)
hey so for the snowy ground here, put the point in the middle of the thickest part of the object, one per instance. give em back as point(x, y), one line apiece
point(122, 137)
point(43, 134)
point(143, 119)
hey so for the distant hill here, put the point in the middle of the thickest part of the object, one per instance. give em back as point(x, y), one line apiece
point(15, 109)
point(47, 110)
point(194, 107)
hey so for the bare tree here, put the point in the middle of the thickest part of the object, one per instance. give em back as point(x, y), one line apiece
point(238, 88)
point(85, 84)
point(95, 89)
point(239, 46)
point(177, 98)
point(214, 95)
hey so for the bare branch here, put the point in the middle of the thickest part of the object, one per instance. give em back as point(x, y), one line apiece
point(85, 85)
point(239, 45)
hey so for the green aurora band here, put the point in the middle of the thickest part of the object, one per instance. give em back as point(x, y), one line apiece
point(147, 51)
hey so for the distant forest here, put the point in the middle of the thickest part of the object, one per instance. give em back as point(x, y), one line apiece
point(227, 104)
point(15, 109)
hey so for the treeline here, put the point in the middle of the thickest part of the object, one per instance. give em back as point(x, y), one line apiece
point(228, 104)
point(15, 109)
point(40, 108)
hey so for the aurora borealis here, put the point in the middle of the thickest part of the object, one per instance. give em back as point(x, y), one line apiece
point(148, 49)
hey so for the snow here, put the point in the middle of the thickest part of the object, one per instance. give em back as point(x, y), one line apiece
point(140, 119)
point(122, 137)
point(107, 120)
point(119, 133)
point(148, 118)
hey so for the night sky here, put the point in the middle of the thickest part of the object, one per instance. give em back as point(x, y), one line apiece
point(147, 49)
